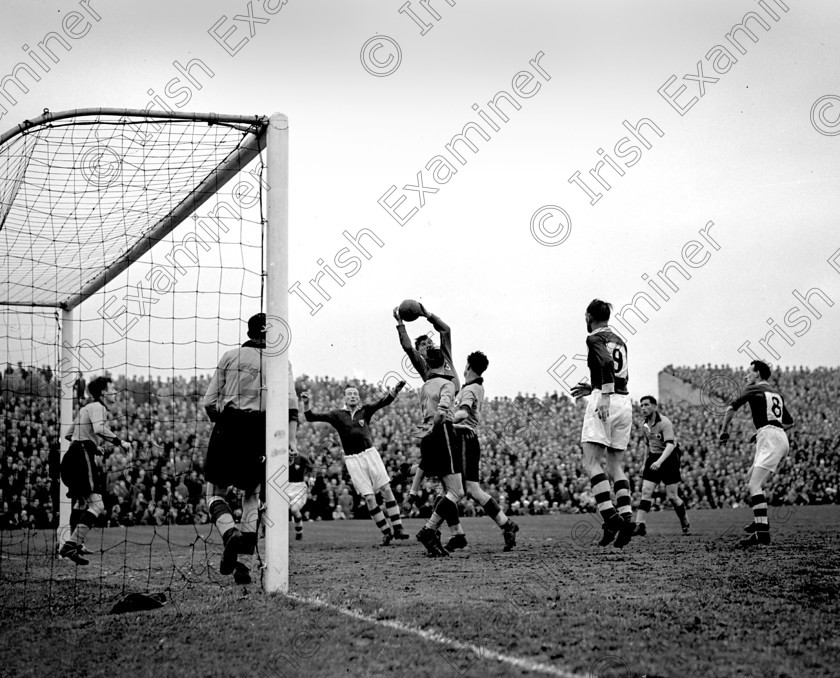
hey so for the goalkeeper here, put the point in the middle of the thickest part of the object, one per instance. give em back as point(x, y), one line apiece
point(417, 354)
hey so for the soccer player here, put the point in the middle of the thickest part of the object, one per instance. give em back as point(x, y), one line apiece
point(771, 419)
point(81, 467)
point(662, 464)
point(439, 455)
point(607, 422)
point(361, 458)
point(235, 403)
point(468, 403)
point(417, 355)
point(298, 492)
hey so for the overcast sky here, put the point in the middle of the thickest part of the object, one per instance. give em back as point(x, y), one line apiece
point(733, 178)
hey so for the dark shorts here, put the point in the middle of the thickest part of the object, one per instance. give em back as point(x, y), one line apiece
point(236, 451)
point(470, 454)
point(440, 452)
point(668, 473)
point(80, 471)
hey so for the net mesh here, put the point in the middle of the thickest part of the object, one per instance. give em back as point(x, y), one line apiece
point(78, 194)
point(152, 230)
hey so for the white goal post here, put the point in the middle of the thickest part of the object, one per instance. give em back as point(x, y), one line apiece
point(45, 228)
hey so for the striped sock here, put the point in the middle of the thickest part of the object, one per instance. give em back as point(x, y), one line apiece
point(454, 521)
point(86, 521)
point(379, 518)
point(643, 510)
point(622, 498)
point(601, 489)
point(298, 524)
point(759, 507)
point(392, 510)
point(75, 515)
point(492, 509)
point(221, 516)
point(444, 509)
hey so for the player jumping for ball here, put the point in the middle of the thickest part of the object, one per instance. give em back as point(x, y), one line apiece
point(468, 403)
point(662, 464)
point(439, 455)
point(81, 468)
point(607, 422)
point(417, 354)
point(771, 419)
point(361, 458)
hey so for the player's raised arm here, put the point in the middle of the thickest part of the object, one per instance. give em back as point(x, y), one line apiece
point(413, 355)
point(311, 416)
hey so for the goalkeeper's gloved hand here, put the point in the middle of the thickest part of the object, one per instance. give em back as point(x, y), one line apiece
point(724, 438)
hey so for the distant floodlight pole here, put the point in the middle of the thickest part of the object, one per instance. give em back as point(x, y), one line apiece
point(65, 394)
point(276, 362)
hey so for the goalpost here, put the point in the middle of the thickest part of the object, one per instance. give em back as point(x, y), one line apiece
point(85, 195)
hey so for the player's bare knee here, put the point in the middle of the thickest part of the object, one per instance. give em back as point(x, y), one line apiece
point(454, 495)
point(387, 493)
point(370, 500)
point(477, 492)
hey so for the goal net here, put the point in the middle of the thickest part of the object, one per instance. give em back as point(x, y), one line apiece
point(134, 245)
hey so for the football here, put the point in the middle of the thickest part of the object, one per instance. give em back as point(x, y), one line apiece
point(409, 310)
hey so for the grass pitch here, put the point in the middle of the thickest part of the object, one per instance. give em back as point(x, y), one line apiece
point(666, 605)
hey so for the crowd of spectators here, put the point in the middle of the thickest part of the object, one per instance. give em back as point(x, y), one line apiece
point(531, 455)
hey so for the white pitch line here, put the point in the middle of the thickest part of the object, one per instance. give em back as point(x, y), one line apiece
point(437, 637)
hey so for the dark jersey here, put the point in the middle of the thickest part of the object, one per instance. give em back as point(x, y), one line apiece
point(658, 434)
point(353, 428)
point(766, 405)
point(419, 362)
point(298, 468)
point(607, 361)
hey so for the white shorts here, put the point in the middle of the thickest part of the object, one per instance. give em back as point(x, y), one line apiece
point(297, 494)
point(771, 446)
point(367, 471)
point(615, 432)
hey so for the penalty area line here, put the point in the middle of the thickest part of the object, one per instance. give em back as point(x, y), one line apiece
point(438, 637)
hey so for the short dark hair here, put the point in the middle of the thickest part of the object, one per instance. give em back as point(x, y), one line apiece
point(256, 326)
point(434, 358)
point(599, 310)
point(98, 386)
point(421, 338)
point(762, 368)
point(477, 362)
point(651, 398)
